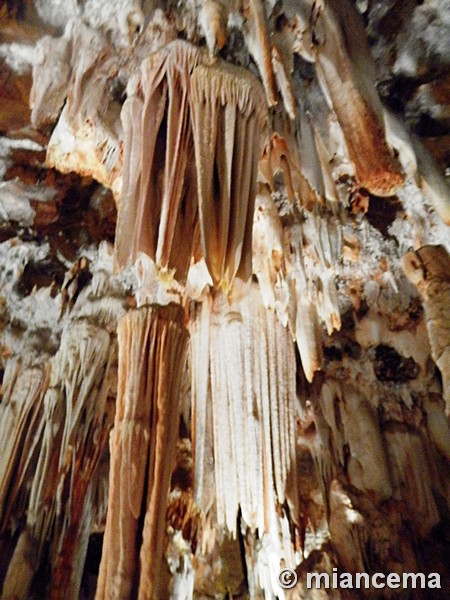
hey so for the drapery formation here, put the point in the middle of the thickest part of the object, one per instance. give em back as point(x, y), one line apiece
point(191, 150)
point(152, 349)
point(69, 427)
point(243, 377)
point(263, 337)
point(159, 194)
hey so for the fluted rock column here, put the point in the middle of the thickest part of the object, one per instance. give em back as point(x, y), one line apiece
point(152, 352)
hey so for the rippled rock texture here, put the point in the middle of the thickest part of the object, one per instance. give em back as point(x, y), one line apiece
point(224, 296)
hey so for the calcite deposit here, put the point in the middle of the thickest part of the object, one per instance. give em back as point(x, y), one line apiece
point(224, 296)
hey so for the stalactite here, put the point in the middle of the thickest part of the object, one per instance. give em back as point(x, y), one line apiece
point(159, 148)
point(302, 278)
point(227, 111)
point(268, 254)
point(266, 558)
point(299, 151)
point(152, 350)
point(253, 431)
point(278, 157)
point(213, 20)
point(260, 47)
point(226, 108)
point(307, 334)
point(428, 269)
point(76, 417)
point(346, 75)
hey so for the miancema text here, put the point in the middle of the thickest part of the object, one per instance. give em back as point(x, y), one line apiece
point(377, 580)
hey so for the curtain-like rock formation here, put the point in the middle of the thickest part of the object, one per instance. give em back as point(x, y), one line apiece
point(152, 346)
point(224, 296)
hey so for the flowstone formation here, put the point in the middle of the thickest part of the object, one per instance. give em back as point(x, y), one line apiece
point(224, 297)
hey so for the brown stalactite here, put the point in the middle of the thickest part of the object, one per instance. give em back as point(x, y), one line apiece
point(228, 115)
point(344, 67)
point(202, 117)
point(159, 195)
point(260, 47)
point(152, 350)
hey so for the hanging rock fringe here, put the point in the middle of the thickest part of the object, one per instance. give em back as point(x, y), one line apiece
point(188, 127)
point(75, 422)
point(159, 198)
point(250, 383)
point(152, 352)
point(228, 111)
